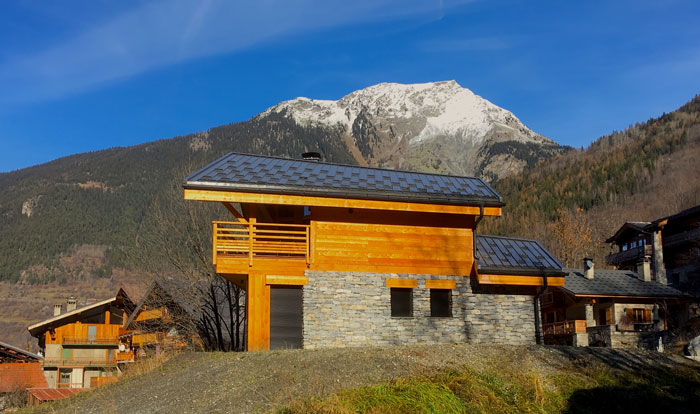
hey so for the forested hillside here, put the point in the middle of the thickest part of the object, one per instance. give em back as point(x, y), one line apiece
point(645, 172)
point(101, 198)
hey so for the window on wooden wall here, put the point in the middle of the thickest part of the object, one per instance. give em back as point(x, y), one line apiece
point(441, 303)
point(401, 302)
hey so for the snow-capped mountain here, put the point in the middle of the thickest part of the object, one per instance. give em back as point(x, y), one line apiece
point(437, 126)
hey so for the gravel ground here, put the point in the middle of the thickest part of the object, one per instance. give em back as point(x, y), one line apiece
point(264, 381)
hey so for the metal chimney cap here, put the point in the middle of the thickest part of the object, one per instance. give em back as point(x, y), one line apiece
point(311, 156)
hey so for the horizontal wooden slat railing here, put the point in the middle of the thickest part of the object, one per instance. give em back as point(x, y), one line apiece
point(260, 240)
point(89, 340)
point(564, 327)
point(58, 362)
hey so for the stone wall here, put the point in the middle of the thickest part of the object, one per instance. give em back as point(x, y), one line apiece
point(354, 309)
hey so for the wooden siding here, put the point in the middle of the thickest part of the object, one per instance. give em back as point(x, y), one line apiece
point(77, 333)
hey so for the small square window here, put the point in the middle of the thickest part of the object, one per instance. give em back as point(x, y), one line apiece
point(441, 303)
point(401, 302)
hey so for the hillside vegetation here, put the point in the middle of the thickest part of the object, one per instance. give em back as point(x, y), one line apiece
point(642, 173)
point(448, 378)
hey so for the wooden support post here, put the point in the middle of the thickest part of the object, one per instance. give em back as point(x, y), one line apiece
point(251, 231)
point(258, 302)
point(213, 243)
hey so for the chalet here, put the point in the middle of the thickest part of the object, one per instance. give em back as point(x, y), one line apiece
point(81, 346)
point(339, 255)
point(613, 308)
point(670, 246)
point(158, 321)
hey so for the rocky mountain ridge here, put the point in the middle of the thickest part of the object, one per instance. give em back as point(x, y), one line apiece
point(436, 126)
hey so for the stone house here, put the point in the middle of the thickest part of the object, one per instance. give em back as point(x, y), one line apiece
point(338, 255)
point(612, 308)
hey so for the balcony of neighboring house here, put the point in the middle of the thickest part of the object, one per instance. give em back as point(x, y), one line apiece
point(79, 362)
point(90, 341)
point(629, 255)
point(241, 247)
point(564, 327)
point(680, 238)
point(125, 356)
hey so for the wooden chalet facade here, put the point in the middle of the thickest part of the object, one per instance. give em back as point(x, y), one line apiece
point(338, 255)
point(669, 247)
point(81, 345)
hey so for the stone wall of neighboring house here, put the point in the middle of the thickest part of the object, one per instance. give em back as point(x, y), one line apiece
point(610, 337)
point(620, 310)
point(354, 309)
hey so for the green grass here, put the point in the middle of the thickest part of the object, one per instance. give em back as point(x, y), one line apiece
point(500, 389)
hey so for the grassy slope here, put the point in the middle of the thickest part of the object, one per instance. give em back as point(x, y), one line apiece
point(440, 378)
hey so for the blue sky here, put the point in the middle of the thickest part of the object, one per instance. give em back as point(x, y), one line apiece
point(80, 76)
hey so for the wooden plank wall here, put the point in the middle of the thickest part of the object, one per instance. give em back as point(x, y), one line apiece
point(391, 242)
point(77, 329)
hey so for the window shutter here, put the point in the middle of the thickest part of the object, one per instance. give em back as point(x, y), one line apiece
point(630, 315)
point(647, 315)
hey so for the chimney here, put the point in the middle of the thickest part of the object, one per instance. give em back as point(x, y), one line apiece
point(57, 309)
point(311, 156)
point(644, 268)
point(588, 267)
point(72, 304)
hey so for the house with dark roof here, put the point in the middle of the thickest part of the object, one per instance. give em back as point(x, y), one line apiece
point(19, 370)
point(613, 308)
point(340, 255)
point(670, 245)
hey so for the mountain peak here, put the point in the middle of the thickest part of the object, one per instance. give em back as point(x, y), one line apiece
point(391, 124)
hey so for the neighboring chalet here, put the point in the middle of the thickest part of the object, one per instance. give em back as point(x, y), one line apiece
point(81, 345)
point(670, 246)
point(340, 255)
point(19, 370)
point(612, 308)
point(158, 321)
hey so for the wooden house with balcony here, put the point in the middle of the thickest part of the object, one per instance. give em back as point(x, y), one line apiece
point(340, 255)
point(81, 345)
point(611, 308)
point(671, 246)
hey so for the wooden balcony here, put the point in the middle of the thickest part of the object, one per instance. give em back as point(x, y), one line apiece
point(249, 245)
point(680, 238)
point(564, 327)
point(630, 255)
point(127, 356)
point(90, 341)
point(79, 362)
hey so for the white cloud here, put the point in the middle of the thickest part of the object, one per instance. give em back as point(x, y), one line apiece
point(166, 32)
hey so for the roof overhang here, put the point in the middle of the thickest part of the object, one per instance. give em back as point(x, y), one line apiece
point(256, 195)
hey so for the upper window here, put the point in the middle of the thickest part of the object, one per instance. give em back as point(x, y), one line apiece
point(401, 302)
point(441, 303)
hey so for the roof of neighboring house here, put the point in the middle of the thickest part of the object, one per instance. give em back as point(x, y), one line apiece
point(20, 375)
point(10, 353)
point(260, 174)
point(509, 255)
point(616, 283)
point(693, 211)
point(637, 226)
point(157, 294)
point(59, 320)
point(53, 394)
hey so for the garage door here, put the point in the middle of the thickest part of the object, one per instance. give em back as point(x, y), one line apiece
point(285, 317)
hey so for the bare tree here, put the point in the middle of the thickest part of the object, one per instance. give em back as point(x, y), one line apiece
point(174, 244)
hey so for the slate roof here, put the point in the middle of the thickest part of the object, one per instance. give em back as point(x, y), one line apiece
point(21, 375)
point(616, 283)
point(260, 174)
point(10, 353)
point(510, 255)
point(637, 226)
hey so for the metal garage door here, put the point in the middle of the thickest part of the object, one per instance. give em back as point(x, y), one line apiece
point(285, 317)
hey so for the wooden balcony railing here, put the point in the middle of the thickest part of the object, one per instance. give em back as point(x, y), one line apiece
point(685, 237)
point(564, 327)
point(260, 240)
point(125, 356)
point(89, 340)
point(616, 259)
point(93, 362)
